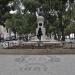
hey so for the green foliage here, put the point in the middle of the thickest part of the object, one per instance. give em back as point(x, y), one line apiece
point(23, 23)
point(59, 22)
point(31, 5)
point(3, 10)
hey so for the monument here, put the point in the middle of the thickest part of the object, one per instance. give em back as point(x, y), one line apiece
point(44, 38)
point(40, 22)
point(40, 25)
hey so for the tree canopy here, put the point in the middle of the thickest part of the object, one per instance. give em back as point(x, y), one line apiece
point(59, 15)
point(4, 8)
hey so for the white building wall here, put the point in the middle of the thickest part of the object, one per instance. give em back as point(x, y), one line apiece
point(3, 31)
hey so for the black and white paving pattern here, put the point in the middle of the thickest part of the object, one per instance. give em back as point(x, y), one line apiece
point(37, 64)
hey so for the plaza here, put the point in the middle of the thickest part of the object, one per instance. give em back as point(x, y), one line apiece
point(37, 37)
point(34, 65)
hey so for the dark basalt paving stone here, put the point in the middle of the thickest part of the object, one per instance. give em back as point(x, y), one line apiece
point(34, 47)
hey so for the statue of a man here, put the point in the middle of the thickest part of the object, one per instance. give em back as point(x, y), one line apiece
point(39, 34)
point(40, 11)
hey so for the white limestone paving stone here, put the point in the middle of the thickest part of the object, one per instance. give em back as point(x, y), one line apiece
point(37, 64)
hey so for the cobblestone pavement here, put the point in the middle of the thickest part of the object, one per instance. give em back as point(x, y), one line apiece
point(37, 65)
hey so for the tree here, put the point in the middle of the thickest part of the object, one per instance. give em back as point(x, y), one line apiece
point(58, 6)
point(69, 19)
point(22, 23)
point(54, 12)
point(31, 5)
point(4, 8)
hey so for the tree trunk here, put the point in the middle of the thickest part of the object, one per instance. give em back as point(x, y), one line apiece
point(61, 26)
point(63, 35)
point(10, 34)
point(74, 35)
point(55, 37)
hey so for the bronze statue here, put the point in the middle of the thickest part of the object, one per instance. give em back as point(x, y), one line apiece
point(39, 34)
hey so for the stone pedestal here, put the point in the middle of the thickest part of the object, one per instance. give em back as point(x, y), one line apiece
point(40, 22)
